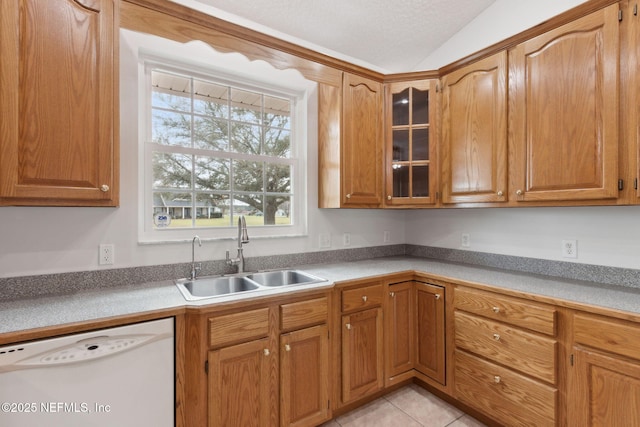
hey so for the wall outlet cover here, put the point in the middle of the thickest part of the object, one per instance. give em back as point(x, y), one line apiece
point(570, 248)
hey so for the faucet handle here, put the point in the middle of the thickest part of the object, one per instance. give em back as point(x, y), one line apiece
point(231, 261)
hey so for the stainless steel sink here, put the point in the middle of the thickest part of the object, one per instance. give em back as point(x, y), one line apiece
point(284, 278)
point(214, 286)
point(208, 287)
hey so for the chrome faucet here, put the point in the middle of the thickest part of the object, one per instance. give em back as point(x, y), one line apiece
point(195, 268)
point(243, 237)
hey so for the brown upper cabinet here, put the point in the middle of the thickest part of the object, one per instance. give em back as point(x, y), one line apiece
point(563, 98)
point(350, 144)
point(58, 79)
point(410, 133)
point(474, 132)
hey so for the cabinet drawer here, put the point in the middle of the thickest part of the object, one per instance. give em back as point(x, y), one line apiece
point(361, 298)
point(614, 336)
point(517, 312)
point(238, 327)
point(528, 353)
point(504, 395)
point(304, 313)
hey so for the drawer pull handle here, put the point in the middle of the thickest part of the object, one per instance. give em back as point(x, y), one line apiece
point(287, 347)
point(364, 298)
point(497, 379)
point(437, 296)
point(392, 294)
point(496, 309)
point(496, 337)
point(266, 352)
point(348, 326)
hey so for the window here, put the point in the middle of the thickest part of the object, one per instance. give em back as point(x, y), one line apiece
point(217, 148)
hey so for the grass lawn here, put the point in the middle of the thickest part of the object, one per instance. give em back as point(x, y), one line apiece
point(252, 220)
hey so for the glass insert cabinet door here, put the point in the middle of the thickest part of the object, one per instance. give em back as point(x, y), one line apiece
point(410, 162)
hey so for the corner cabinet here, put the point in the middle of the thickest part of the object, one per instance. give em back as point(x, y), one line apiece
point(58, 79)
point(563, 98)
point(350, 144)
point(474, 132)
point(410, 133)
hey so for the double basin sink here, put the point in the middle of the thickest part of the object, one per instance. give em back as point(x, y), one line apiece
point(214, 286)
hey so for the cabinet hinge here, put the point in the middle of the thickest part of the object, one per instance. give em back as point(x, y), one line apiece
point(206, 367)
point(620, 185)
point(620, 15)
point(437, 195)
point(635, 9)
point(571, 359)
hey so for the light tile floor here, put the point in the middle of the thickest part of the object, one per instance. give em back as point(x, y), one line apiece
point(410, 406)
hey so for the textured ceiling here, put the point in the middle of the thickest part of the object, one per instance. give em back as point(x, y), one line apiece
point(388, 36)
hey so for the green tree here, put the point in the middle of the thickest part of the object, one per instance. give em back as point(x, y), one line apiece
point(263, 185)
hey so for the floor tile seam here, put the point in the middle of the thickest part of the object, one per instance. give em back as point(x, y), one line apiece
point(403, 411)
point(457, 419)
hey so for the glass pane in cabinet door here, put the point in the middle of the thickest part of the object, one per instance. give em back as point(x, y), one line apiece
point(420, 181)
point(400, 145)
point(420, 148)
point(401, 108)
point(400, 181)
point(420, 107)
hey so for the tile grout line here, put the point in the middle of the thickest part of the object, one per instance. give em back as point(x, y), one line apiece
point(402, 410)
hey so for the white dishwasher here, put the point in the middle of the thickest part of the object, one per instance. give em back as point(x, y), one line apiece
point(121, 376)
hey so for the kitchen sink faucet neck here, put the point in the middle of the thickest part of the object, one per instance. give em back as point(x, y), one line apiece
point(195, 268)
point(243, 237)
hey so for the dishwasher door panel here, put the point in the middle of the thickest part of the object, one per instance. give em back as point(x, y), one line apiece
point(123, 387)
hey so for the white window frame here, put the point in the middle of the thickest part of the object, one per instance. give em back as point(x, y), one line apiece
point(147, 233)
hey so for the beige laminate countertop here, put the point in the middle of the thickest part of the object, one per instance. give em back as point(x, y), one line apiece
point(96, 305)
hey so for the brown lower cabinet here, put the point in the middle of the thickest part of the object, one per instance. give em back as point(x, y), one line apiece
point(259, 363)
point(605, 386)
point(507, 357)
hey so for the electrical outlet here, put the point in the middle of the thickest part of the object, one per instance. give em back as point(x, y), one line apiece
point(324, 240)
point(346, 239)
point(386, 236)
point(570, 249)
point(465, 240)
point(106, 254)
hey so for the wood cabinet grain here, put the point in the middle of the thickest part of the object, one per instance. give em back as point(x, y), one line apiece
point(59, 106)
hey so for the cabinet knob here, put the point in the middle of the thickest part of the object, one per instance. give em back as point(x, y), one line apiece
point(496, 309)
point(348, 326)
point(348, 196)
point(519, 193)
point(392, 294)
point(496, 337)
point(500, 193)
point(437, 296)
point(266, 352)
point(287, 347)
point(388, 197)
point(104, 188)
point(497, 379)
point(364, 298)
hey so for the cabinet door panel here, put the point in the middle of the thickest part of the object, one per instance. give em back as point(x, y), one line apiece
point(564, 106)
point(59, 104)
point(362, 142)
point(430, 328)
point(400, 331)
point(606, 391)
point(474, 132)
point(362, 354)
point(240, 386)
point(304, 373)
